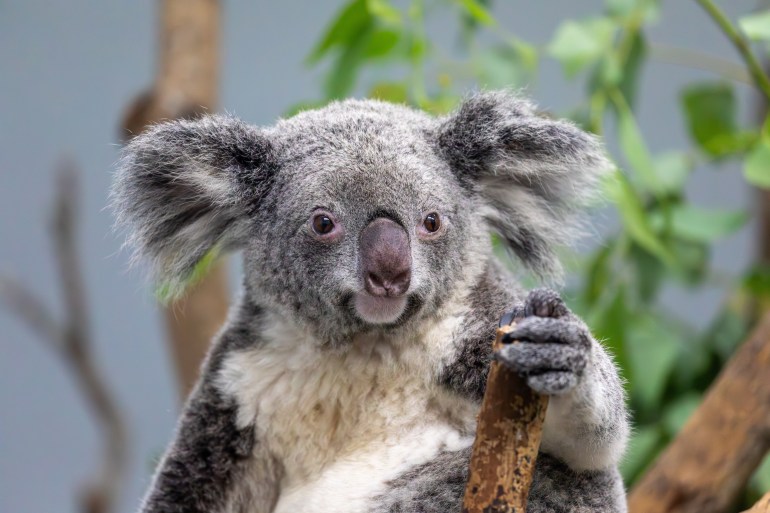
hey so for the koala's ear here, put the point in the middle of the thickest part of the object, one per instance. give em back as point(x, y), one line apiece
point(185, 187)
point(533, 173)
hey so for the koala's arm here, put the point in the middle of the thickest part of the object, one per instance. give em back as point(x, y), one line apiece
point(213, 465)
point(586, 423)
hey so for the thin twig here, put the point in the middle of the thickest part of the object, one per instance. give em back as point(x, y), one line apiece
point(72, 339)
point(21, 301)
point(741, 44)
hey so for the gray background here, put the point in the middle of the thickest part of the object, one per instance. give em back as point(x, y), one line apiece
point(67, 71)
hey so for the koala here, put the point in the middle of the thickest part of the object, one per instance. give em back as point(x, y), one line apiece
point(350, 371)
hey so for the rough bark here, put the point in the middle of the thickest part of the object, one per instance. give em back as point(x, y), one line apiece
point(510, 425)
point(707, 466)
point(186, 86)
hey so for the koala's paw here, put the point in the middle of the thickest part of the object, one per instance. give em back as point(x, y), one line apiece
point(552, 345)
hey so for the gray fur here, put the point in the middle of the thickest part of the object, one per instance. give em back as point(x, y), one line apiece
point(438, 487)
point(186, 188)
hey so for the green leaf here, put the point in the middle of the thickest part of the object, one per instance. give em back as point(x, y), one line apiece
point(599, 272)
point(691, 258)
point(649, 273)
point(345, 30)
point(507, 66)
point(633, 145)
point(342, 76)
point(705, 225)
point(394, 92)
point(380, 43)
point(635, 221)
point(671, 171)
point(609, 322)
point(756, 26)
point(477, 12)
point(756, 168)
point(761, 478)
point(710, 111)
point(678, 413)
point(382, 10)
point(578, 44)
point(643, 447)
point(632, 68)
point(652, 348)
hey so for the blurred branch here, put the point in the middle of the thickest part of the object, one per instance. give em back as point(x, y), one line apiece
point(708, 464)
point(72, 340)
point(186, 86)
point(741, 44)
point(700, 60)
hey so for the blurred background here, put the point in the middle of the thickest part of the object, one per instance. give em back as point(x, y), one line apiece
point(672, 277)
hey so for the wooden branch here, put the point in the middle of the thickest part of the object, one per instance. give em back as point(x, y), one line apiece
point(763, 506)
point(709, 463)
point(186, 86)
point(510, 425)
point(72, 340)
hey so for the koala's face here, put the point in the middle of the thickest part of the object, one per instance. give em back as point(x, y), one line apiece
point(369, 227)
point(362, 215)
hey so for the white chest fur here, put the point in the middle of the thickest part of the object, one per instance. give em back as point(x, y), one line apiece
point(343, 424)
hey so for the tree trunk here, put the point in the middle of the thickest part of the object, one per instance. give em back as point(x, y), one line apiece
point(186, 86)
point(709, 463)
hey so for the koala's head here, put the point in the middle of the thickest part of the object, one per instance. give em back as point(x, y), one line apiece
point(361, 215)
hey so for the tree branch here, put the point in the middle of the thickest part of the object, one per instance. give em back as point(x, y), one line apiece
point(741, 44)
point(709, 463)
point(186, 86)
point(72, 340)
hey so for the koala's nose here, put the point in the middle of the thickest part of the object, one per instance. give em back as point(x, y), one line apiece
point(386, 260)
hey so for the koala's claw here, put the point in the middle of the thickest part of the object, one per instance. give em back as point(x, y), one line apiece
point(545, 303)
point(553, 345)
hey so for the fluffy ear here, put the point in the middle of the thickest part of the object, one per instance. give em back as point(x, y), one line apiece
point(184, 188)
point(533, 173)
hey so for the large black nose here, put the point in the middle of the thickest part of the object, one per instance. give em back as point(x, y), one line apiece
point(386, 261)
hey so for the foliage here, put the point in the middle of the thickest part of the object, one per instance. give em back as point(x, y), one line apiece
point(663, 238)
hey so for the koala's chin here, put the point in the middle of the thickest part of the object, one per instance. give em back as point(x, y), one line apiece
point(379, 310)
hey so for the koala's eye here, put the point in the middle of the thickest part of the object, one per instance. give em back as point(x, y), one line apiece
point(432, 222)
point(322, 224)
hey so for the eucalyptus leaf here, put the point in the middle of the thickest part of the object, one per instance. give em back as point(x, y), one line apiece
point(339, 83)
point(633, 145)
point(478, 12)
point(757, 25)
point(679, 412)
point(344, 30)
point(632, 68)
point(710, 111)
point(705, 225)
point(652, 348)
point(671, 170)
point(756, 168)
point(383, 10)
point(576, 44)
point(636, 222)
point(380, 43)
point(761, 478)
point(507, 66)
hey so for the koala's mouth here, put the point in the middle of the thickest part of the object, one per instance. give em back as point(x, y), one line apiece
point(379, 310)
